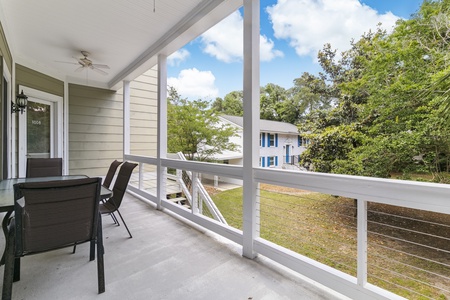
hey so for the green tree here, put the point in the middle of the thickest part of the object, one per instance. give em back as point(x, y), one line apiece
point(391, 92)
point(272, 97)
point(195, 130)
point(231, 104)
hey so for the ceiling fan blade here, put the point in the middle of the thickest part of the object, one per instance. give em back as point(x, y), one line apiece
point(79, 69)
point(66, 62)
point(100, 66)
point(98, 70)
point(79, 61)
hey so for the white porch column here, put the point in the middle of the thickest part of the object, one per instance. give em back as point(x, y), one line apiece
point(126, 117)
point(251, 122)
point(66, 129)
point(162, 129)
point(361, 207)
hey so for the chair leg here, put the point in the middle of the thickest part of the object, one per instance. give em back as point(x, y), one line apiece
point(100, 260)
point(16, 276)
point(113, 216)
point(92, 251)
point(123, 221)
point(9, 266)
point(5, 232)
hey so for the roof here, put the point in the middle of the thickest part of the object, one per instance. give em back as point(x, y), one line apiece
point(48, 36)
point(265, 125)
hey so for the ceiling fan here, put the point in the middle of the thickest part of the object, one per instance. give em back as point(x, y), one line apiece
point(86, 63)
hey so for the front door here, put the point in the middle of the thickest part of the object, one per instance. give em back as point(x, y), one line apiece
point(288, 153)
point(39, 129)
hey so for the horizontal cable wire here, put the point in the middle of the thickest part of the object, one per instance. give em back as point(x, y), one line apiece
point(410, 278)
point(409, 266)
point(409, 230)
point(413, 255)
point(408, 218)
point(409, 242)
point(401, 287)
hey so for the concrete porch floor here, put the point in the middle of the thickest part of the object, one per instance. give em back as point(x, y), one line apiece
point(165, 259)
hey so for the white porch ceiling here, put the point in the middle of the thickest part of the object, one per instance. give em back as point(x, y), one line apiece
point(123, 34)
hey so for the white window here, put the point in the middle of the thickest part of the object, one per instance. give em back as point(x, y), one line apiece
point(271, 161)
point(271, 140)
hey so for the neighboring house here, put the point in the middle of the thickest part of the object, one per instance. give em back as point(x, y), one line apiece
point(280, 147)
point(280, 143)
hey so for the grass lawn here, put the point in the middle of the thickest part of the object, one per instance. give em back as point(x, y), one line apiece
point(323, 227)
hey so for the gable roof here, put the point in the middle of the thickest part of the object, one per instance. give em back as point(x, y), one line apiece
point(265, 125)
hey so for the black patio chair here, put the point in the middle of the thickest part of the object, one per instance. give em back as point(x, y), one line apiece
point(52, 215)
point(44, 167)
point(112, 205)
point(111, 172)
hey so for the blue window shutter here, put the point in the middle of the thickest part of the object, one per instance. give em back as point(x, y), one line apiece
point(276, 139)
point(298, 138)
point(268, 161)
point(268, 140)
point(263, 141)
point(276, 160)
point(262, 161)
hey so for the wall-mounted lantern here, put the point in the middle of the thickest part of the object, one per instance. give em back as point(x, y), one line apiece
point(21, 103)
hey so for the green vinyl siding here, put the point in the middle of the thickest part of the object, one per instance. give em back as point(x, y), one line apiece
point(96, 124)
point(36, 80)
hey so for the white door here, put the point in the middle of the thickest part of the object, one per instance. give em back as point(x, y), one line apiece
point(40, 132)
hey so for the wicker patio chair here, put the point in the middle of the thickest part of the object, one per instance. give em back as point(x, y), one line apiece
point(52, 215)
point(44, 167)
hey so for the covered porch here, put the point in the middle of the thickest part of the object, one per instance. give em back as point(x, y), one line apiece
point(123, 115)
point(166, 259)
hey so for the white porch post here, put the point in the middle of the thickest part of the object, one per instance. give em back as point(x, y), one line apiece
point(251, 123)
point(66, 129)
point(126, 118)
point(361, 207)
point(162, 129)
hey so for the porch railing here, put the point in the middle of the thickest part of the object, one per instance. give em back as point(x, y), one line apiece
point(196, 193)
point(357, 281)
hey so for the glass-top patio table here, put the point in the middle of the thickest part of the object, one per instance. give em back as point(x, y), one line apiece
point(7, 189)
point(7, 194)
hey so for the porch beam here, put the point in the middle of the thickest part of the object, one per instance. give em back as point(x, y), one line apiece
point(251, 123)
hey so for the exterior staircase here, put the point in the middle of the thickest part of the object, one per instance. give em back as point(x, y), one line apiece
point(194, 195)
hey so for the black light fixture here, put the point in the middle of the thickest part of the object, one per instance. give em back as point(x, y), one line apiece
point(21, 103)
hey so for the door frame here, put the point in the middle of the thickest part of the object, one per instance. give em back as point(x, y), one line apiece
point(7, 116)
point(57, 125)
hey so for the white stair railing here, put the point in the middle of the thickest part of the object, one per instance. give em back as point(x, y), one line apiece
point(204, 196)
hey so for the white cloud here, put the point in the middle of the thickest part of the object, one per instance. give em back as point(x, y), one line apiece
point(177, 57)
point(224, 41)
point(194, 84)
point(309, 24)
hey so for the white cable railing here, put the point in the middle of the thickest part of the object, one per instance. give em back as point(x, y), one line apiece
point(366, 269)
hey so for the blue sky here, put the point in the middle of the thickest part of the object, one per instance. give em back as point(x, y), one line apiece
point(292, 31)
